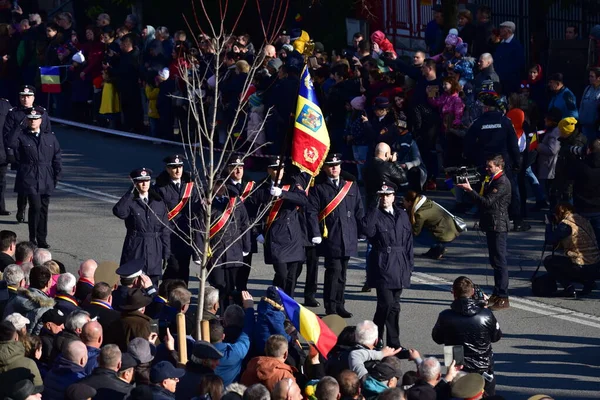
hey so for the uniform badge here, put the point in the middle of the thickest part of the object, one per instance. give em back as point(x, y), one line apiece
point(177, 160)
point(143, 173)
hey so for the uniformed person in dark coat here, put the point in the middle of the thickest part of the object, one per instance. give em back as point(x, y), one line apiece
point(176, 188)
point(281, 231)
point(229, 240)
point(15, 121)
point(494, 221)
point(334, 214)
point(5, 108)
point(243, 188)
point(148, 235)
point(391, 262)
point(38, 156)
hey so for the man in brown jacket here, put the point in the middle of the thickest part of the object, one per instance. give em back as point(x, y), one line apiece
point(133, 323)
point(271, 368)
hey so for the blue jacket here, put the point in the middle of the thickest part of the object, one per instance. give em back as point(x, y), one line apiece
point(509, 62)
point(159, 393)
point(269, 321)
point(490, 134)
point(230, 365)
point(372, 388)
point(566, 102)
point(92, 363)
point(62, 374)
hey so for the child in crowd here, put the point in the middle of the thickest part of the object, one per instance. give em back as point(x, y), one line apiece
point(462, 64)
point(110, 105)
point(151, 90)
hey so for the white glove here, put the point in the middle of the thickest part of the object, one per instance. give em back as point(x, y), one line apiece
point(276, 191)
point(260, 239)
point(245, 253)
point(198, 262)
point(316, 240)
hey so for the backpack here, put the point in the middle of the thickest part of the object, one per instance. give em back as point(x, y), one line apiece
point(543, 285)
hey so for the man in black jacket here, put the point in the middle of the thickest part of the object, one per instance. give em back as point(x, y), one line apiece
point(585, 173)
point(381, 168)
point(110, 378)
point(493, 202)
point(467, 323)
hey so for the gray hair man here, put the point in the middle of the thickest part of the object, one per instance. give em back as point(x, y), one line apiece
point(65, 293)
point(367, 337)
point(40, 256)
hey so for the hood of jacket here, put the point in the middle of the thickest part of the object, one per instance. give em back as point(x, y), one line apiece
point(163, 179)
point(377, 37)
point(266, 366)
point(372, 386)
point(10, 351)
point(62, 366)
point(466, 307)
point(35, 298)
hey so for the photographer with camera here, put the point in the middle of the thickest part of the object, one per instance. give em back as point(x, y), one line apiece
point(493, 203)
point(469, 324)
point(382, 167)
point(581, 261)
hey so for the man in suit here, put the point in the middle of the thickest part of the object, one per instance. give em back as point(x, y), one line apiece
point(100, 305)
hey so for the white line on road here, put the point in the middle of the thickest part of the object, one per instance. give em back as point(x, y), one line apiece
point(515, 301)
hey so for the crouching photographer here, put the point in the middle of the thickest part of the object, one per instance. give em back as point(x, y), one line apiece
point(580, 264)
point(469, 324)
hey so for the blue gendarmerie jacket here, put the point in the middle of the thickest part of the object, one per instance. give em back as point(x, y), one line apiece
point(58, 379)
point(492, 134)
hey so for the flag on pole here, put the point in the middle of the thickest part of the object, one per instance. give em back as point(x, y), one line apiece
point(310, 144)
point(311, 327)
point(50, 79)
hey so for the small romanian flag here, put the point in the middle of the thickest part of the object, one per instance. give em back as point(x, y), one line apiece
point(50, 79)
point(533, 143)
point(311, 327)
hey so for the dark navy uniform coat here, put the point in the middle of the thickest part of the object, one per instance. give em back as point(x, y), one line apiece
point(249, 203)
point(148, 236)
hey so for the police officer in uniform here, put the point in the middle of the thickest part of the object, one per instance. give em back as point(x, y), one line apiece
point(5, 108)
point(391, 261)
point(238, 186)
point(148, 235)
point(38, 157)
point(15, 121)
point(176, 187)
point(229, 240)
point(281, 229)
point(334, 214)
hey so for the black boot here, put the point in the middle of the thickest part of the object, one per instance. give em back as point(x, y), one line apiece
point(310, 301)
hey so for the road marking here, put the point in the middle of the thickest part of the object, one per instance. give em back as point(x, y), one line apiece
point(515, 301)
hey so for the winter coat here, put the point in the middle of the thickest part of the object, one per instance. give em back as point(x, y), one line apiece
point(110, 102)
point(230, 365)
point(464, 66)
point(384, 44)
point(491, 134)
point(562, 182)
point(268, 371)
point(159, 393)
point(341, 224)
point(372, 388)
point(390, 262)
point(39, 160)
point(32, 304)
point(14, 366)
point(450, 106)
point(60, 341)
point(486, 74)
point(468, 324)
point(107, 384)
point(269, 321)
point(547, 157)
point(131, 325)
point(377, 171)
point(147, 236)
point(407, 152)
point(588, 109)
point(380, 129)
point(188, 383)
point(5, 108)
point(94, 53)
point(152, 95)
point(494, 204)
point(426, 213)
point(93, 353)
point(575, 235)
point(509, 61)
point(63, 374)
point(586, 184)
point(566, 102)
point(66, 303)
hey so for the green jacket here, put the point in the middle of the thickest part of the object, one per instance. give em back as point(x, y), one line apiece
point(14, 366)
point(427, 214)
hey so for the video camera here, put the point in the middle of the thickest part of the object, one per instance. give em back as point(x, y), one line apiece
point(461, 174)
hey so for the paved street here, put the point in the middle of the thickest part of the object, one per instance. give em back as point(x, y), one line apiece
point(549, 346)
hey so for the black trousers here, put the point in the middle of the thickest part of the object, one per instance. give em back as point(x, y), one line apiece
point(38, 217)
point(21, 202)
point(564, 271)
point(243, 274)
point(286, 276)
point(178, 264)
point(3, 169)
point(223, 279)
point(312, 271)
point(496, 242)
point(387, 315)
point(335, 283)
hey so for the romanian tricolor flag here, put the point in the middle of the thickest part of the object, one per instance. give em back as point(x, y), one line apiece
point(311, 327)
point(50, 79)
point(311, 139)
point(533, 143)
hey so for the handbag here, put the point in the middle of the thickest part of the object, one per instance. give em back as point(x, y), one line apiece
point(460, 223)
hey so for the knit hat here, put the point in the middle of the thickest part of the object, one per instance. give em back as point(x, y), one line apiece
point(78, 57)
point(358, 103)
point(517, 117)
point(489, 98)
point(275, 63)
point(288, 47)
point(452, 39)
point(462, 48)
point(453, 31)
point(18, 321)
point(567, 126)
point(164, 74)
point(255, 100)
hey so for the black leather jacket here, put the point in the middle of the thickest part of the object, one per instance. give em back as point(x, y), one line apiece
point(494, 204)
point(378, 171)
point(467, 323)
